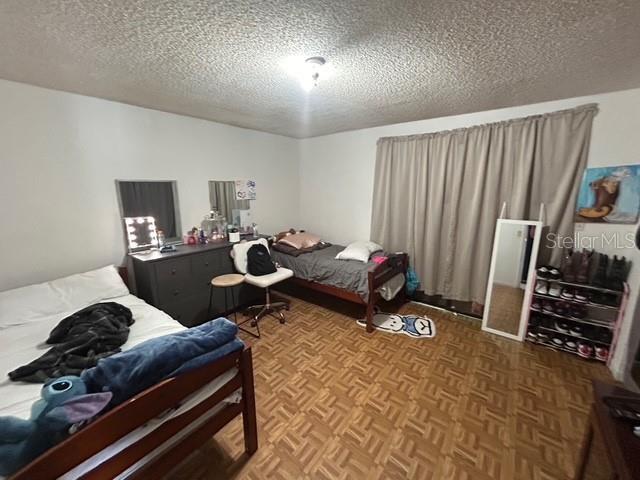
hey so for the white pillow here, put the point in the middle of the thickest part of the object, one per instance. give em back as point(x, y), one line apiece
point(27, 304)
point(360, 251)
point(34, 302)
point(83, 289)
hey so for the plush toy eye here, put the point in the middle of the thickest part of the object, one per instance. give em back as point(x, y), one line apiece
point(61, 386)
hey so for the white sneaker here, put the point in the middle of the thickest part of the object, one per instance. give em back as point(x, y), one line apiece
point(555, 290)
point(542, 287)
point(580, 296)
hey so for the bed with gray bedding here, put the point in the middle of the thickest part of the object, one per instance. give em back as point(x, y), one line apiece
point(321, 266)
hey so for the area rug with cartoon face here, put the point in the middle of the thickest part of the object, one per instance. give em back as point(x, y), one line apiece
point(412, 325)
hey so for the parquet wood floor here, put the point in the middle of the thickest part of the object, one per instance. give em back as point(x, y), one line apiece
point(336, 403)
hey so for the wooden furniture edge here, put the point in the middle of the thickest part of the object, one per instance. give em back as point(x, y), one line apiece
point(123, 271)
point(156, 399)
point(607, 430)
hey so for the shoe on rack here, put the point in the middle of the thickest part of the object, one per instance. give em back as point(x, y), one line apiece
point(602, 353)
point(561, 308)
point(569, 260)
point(610, 299)
point(543, 337)
point(542, 287)
point(543, 273)
point(600, 277)
point(577, 311)
point(584, 266)
point(618, 273)
point(554, 273)
point(536, 305)
point(557, 341)
point(532, 335)
point(604, 335)
point(571, 345)
point(555, 290)
point(567, 293)
point(595, 297)
point(585, 350)
point(576, 331)
point(547, 307)
point(562, 327)
point(580, 296)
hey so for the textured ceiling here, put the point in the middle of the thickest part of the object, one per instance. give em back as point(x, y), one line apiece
point(391, 61)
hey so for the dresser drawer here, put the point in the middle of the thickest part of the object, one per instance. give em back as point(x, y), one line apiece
point(206, 266)
point(174, 278)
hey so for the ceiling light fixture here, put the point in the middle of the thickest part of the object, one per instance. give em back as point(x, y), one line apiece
point(312, 72)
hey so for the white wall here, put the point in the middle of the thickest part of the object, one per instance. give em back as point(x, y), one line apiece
point(61, 153)
point(336, 173)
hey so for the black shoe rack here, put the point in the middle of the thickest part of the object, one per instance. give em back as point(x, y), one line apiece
point(598, 316)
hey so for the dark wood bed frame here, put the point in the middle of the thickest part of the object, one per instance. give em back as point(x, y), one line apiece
point(376, 276)
point(145, 406)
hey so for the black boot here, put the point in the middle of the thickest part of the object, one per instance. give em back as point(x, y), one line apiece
point(584, 265)
point(569, 262)
point(618, 274)
point(600, 278)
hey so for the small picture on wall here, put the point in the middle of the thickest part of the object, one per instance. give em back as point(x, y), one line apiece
point(609, 195)
point(245, 190)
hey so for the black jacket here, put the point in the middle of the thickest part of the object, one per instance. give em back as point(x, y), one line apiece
point(79, 340)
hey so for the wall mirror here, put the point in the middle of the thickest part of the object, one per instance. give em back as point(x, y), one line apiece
point(515, 251)
point(222, 197)
point(157, 199)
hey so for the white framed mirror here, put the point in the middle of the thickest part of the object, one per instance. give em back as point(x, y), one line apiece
point(513, 264)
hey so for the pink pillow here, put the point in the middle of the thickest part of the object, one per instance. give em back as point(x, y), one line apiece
point(300, 240)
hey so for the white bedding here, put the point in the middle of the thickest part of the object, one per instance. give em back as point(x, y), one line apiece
point(28, 314)
point(24, 343)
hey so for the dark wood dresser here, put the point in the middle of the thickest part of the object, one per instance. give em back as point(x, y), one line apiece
point(610, 450)
point(178, 282)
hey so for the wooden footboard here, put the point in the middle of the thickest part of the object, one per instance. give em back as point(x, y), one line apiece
point(376, 276)
point(147, 405)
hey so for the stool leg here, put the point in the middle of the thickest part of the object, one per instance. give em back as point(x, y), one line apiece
point(233, 306)
point(209, 307)
point(226, 310)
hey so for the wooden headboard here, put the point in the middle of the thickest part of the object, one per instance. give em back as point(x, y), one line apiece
point(124, 274)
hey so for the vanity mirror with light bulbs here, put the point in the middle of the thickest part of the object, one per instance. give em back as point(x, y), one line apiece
point(515, 252)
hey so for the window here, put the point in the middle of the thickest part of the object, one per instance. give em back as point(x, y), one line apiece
point(157, 199)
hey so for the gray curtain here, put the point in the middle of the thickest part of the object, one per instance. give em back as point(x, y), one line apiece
point(437, 196)
point(222, 197)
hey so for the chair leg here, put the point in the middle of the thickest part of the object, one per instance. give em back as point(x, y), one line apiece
point(268, 308)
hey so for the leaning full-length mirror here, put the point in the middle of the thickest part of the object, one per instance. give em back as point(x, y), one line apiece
point(515, 249)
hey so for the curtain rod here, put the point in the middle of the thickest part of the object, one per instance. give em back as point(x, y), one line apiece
point(588, 107)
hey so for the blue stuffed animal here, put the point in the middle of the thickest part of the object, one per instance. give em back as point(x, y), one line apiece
point(64, 403)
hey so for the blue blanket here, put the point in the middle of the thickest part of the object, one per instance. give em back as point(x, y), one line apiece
point(128, 373)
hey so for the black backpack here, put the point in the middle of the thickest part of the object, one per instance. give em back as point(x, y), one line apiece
point(259, 261)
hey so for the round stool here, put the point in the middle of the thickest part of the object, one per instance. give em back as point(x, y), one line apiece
point(224, 282)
